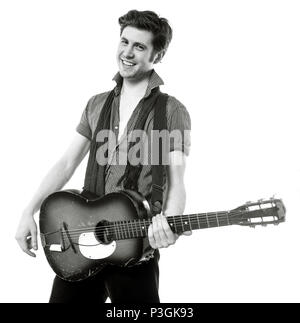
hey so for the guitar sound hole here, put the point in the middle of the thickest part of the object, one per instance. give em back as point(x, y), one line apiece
point(103, 232)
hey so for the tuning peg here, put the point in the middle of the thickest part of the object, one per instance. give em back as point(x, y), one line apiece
point(248, 202)
point(272, 197)
point(260, 200)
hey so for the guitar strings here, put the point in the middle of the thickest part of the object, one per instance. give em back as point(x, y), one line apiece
point(119, 228)
point(137, 234)
point(126, 223)
point(120, 232)
point(135, 226)
point(176, 219)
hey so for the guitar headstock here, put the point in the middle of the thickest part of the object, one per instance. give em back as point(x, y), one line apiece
point(262, 212)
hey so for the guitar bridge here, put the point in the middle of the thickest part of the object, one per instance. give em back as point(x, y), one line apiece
point(56, 247)
point(51, 246)
point(50, 240)
point(64, 231)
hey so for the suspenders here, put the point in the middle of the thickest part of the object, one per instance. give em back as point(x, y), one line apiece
point(158, 171)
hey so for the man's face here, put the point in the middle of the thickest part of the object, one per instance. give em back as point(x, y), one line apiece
point(135, 55)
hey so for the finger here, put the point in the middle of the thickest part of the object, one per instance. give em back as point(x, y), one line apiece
point(156, 233)
point(34, 243)
point(187, 233)
point(29, 243)
point(29, 247)
point(151, 237)
point(163, 238)
point(23, 243)
point(171, 237)
point(30, 253)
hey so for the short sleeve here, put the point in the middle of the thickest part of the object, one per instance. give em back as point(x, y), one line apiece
point(84, 127)
point(179, 126)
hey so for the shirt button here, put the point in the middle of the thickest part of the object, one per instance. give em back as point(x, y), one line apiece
point(116, 127)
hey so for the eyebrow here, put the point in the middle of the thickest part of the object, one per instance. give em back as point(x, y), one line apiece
point(136, 43)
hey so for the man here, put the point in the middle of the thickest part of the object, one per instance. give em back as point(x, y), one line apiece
point(144, 40)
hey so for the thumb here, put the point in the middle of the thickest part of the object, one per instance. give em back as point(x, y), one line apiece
point(34, 241)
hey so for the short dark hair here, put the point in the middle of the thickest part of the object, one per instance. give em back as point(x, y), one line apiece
point(150, 21)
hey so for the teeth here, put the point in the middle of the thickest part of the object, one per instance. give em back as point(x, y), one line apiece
point(127, 63)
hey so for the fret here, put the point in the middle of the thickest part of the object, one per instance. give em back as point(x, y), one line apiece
point(174, 224)
point(217, 219)
point(144, 233)
point(185, 224)
point(198, 221)
point(207, 221)
point(220, 220)
point(116, 231)
point(174, 221)
point(180, 217)
point(171, 222)
point(227, 213)
point(145, 228)
point(131, 232)
point(130, 224)
point(128, 229)
point(133, 229)
point(141, 231)
point(121, 231)
point(190, 223)
point(125, 232)
point(136, 229)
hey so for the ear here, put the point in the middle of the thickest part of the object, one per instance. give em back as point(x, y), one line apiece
point(159, 56)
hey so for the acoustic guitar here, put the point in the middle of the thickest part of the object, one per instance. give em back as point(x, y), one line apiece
point(80, 236)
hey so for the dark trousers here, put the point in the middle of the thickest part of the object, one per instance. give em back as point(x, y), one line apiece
point(137, 284)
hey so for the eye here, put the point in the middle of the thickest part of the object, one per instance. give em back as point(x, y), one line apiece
point(124, 41)
point(140, 47)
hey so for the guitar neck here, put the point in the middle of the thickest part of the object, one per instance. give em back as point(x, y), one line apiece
point(188, 222)
point(178, 224)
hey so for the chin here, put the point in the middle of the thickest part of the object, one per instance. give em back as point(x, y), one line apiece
point(127, 75)
point(124, 74)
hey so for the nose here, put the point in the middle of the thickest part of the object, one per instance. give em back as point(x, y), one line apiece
point(128, 52)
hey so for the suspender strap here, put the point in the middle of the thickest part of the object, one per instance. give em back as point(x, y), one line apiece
point(158, 170)
point(94, 176)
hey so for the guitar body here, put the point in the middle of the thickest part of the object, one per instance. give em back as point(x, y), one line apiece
point(75, 232)
point(80, 236)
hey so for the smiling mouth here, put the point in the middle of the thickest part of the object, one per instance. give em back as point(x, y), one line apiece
point(127, 63)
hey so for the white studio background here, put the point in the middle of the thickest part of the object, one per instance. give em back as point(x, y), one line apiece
point(234, 64)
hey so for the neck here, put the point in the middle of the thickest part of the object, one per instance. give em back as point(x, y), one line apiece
point(136, 87)
point(178, 224)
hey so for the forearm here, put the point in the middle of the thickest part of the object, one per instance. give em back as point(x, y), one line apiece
point(175, 200)
point(56, 178)
point(175, 203)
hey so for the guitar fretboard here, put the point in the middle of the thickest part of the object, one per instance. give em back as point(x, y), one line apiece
point(179, 223)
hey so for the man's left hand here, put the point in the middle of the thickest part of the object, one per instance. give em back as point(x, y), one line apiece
point(160, 234)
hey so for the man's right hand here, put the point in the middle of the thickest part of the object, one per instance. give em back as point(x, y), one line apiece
point(26, 234)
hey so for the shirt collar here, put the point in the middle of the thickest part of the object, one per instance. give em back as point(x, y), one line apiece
point(154, 81)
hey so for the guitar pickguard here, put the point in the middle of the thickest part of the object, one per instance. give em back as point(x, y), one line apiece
point(91, 248)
